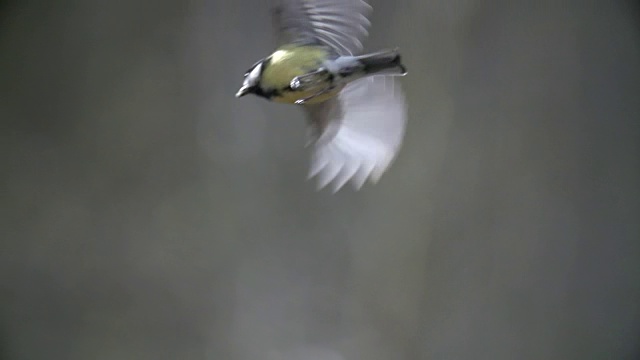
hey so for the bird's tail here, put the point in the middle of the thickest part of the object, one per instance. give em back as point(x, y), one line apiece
point(387, 62)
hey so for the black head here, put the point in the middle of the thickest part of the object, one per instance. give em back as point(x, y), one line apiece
point(251, 83)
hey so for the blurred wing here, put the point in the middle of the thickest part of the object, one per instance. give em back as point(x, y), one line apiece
point(340, 24)
point(357, 135)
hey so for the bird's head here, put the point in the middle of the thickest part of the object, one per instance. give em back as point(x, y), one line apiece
point(251, 80)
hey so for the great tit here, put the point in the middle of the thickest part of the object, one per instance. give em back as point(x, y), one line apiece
point(355, 106)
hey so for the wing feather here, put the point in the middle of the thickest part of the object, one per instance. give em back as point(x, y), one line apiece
point(339, 24)
point(357, 134)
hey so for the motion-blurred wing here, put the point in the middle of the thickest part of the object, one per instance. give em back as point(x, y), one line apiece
point(357, 135)
point(340, 24)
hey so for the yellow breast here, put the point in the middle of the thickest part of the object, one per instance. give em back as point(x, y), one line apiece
point(290, 61)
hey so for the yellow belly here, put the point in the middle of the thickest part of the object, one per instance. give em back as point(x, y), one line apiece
point(290, 61)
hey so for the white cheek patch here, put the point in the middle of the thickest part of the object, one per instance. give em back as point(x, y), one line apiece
point(254, 75)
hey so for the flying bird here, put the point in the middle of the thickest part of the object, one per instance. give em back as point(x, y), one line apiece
point(355, 106)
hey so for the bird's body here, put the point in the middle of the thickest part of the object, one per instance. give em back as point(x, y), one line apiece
point(355, 107)
point(290, 61)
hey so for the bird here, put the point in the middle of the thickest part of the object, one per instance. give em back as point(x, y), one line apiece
point(355, 106)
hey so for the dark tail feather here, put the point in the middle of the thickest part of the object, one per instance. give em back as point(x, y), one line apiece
point(383, 62)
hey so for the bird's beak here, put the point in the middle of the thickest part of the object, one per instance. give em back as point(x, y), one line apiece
point(244, 90)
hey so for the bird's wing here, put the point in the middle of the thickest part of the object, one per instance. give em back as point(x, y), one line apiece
point(356, 135)
point(340, 24)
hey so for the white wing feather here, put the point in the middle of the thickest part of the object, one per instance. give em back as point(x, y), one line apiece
point(357, 135)
point(339, 24)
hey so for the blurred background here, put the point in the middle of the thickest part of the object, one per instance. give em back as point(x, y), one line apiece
point(148, 214)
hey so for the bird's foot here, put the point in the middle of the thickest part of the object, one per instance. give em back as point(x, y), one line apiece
point(308, 79)
point(303, 101)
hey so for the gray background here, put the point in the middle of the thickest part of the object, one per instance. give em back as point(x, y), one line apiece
point(148, 214)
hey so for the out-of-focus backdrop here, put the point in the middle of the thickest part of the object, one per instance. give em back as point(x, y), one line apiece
point(148, 214)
